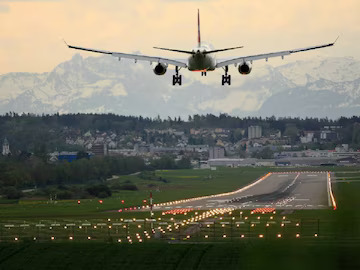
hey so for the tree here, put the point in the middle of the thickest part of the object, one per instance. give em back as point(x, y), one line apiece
point(265, 153)
point(82, 154)
point(292, 132)
point(100, 191)
point(184, 163)
point(12, 193)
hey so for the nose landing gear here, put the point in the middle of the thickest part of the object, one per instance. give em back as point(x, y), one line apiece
point(177, 79)
point(226, 79)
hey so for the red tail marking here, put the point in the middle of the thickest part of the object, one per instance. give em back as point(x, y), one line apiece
point(199, 40)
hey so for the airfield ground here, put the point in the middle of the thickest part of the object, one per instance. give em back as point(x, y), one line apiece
point(293, 190)
point(307, 235)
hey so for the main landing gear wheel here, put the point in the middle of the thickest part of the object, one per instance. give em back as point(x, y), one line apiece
point(226, 79)
point(177, 79)
point(203, 73)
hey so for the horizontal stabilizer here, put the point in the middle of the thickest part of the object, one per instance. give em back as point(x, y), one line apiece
point(221, 50)
point(174, 50)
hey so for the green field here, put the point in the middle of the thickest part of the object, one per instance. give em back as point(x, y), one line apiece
point(250, 255)
point(327, 239)
point(181, 184)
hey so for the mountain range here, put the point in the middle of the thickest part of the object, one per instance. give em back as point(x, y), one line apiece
point(320, 87)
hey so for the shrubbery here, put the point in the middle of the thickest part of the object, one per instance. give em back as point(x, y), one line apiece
point(12, 193)
point(100, 191)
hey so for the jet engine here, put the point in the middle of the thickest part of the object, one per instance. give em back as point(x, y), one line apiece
point(160, 69)
point(245, 68)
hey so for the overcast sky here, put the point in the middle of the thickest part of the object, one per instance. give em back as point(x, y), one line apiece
point(31, 31)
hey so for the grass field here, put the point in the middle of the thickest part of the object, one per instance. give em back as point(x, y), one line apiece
point(181, 184)
point(336, 246)
point(250, 255)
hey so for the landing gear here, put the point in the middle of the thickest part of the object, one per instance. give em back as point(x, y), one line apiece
point(177, 79)
point(226, 79)
point(203, 73)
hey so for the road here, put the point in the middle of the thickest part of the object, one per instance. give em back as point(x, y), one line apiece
point(305, 190)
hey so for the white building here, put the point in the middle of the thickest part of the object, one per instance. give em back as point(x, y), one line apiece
point(216, 152)
point(254, 132)
point(308, 137)
point(6, 148)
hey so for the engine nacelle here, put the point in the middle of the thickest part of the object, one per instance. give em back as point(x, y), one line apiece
point(160, 69)
point(245, 68)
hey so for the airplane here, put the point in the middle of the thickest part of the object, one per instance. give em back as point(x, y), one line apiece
point(202, 59)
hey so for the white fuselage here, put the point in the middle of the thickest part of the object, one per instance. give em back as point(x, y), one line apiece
point(200, 61)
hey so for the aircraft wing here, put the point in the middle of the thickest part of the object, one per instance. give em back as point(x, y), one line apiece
point(269, 55)
point(151, 59)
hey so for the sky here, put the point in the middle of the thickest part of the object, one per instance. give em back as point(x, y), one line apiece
point(31, 31)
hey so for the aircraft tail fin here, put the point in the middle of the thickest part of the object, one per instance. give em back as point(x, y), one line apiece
point(199, 39)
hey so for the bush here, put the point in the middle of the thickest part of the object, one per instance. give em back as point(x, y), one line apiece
point(12, 193)
point(102, 195)
point(98, 190)
point(131, 187)
point(64, 195)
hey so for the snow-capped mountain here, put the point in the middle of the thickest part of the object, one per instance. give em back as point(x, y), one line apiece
point(320, 87)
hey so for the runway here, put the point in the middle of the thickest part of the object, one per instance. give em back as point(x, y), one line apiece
point(297, 190)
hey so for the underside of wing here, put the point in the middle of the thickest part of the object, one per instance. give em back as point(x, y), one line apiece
point(151, 59)
point(265, 56)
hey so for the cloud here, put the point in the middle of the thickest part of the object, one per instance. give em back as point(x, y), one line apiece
point(4, 8)
point(27, 1)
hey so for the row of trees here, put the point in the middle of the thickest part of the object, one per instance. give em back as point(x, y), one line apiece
point(34, 172)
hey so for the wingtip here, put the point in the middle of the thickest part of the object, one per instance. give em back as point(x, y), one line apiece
point(65, 42)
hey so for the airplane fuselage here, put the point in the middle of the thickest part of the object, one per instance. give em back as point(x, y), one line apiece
point(200, 61)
